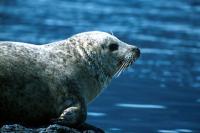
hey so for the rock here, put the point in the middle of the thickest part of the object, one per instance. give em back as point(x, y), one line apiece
point(16, 128)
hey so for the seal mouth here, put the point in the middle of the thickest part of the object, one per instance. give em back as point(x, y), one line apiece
point(127, 61)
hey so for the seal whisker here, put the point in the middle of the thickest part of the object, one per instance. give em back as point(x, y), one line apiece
point(126, 63)
point(121, 69)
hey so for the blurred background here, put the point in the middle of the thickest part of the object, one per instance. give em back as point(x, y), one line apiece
point(161, 92)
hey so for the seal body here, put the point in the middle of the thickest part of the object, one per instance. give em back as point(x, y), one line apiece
point(39, 83)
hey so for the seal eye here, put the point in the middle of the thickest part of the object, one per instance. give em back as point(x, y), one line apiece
point(113, 47)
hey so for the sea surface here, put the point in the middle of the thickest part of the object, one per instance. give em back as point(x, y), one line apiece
point(160, 93)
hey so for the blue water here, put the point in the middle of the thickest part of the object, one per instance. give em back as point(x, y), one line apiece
point(161, 92)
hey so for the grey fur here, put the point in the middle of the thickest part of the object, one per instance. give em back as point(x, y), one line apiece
point(57, 80)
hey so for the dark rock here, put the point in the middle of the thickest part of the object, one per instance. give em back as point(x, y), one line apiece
point(15, 128)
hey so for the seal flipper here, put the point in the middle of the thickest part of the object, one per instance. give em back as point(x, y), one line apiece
point(75, 113)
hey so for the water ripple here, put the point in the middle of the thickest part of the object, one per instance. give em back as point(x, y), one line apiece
point(147, 106)
point(198, 100)
point(96, 114)
point(175, 131)
point(158, 51)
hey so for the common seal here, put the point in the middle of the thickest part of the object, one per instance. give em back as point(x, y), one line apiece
point(57, 80)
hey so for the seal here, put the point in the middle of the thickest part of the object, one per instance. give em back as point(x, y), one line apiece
point(56, 81)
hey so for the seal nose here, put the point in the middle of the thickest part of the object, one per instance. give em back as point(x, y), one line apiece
point(136, 51)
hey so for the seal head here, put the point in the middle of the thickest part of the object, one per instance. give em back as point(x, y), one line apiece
point(101, 55)
point(105, 54)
